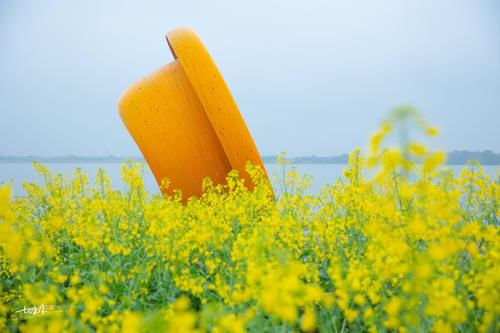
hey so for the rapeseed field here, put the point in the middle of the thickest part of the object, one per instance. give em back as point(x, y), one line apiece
point(397, 244)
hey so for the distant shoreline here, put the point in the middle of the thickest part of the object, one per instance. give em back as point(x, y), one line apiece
point(65, 159)
point(457, 157)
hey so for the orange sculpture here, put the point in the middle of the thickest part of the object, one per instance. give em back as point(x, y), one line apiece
point(185, 120)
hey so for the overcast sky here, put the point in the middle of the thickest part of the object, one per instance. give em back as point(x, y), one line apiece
point(309, 77)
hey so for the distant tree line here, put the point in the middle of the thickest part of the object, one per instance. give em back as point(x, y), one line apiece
point(67, 159)
point(485, 157)
point(456, 157)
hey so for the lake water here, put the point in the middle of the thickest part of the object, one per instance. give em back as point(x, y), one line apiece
point(24, 172)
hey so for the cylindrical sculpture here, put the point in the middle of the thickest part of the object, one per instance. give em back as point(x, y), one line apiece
point(186, 122)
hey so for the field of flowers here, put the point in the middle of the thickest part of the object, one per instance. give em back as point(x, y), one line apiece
point(412, 248)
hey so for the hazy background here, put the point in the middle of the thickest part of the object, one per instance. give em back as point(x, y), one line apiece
point(310, 77)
